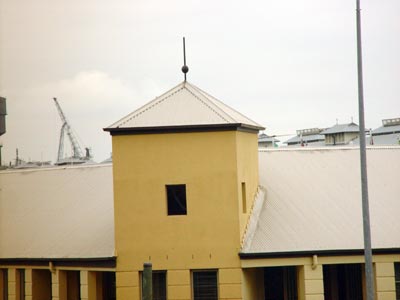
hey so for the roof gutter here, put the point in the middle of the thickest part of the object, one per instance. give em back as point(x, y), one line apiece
point(96, 262)
point(183, 129)
point(339, 252)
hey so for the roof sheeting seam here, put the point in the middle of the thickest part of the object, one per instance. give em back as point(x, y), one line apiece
point(139, 111)
point(213, 110)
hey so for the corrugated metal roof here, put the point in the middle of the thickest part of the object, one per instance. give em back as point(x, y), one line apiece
point(339, 128)
point(382, 139)
point(61, 212)
point(266, 138)
point(306, 138)
point(183, 105)
point(386, 130)
point(313, 200)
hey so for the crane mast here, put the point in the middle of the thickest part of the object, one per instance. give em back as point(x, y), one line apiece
point(76, 149)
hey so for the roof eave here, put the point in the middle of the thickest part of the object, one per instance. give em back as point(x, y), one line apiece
point(183, 129)
point(334, 252)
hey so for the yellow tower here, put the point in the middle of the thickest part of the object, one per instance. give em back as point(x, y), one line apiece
point(185, 170)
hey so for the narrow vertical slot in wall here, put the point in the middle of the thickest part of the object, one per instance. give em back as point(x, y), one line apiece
point(244, 202)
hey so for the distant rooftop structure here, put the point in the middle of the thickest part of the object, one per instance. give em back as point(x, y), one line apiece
point(266, 141)
point(342, 128)
point(387, 134)
point(388, 126)
point(341, 134)
point(183, 107)
point(308, 136)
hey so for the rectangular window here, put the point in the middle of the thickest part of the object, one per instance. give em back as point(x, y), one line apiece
point(397, 279)
point(244, 201)
point(108, 285)
point(20, 284)
point(73, 284)
point(3, 284)
point(176, 199)
point(159, 285)
point(205, 285)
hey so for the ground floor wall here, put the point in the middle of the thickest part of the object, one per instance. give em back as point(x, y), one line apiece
point(179, 284)
point(303, 278)
point(311, 280)
point(252, 280)
point(46, 283)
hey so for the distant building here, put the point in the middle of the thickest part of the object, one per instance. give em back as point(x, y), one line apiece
point(305, 137)
point(388, 133)
point(266, 141)
point(341, 134)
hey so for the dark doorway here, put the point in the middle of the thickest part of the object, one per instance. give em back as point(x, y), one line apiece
point(280, 283)
point(343, 282)
point(41, 285)
point(109, 286)
point(73, 285)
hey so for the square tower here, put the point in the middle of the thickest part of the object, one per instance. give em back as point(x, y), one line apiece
point(185, 170)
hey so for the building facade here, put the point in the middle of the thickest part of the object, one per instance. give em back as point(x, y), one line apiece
point(190, 192)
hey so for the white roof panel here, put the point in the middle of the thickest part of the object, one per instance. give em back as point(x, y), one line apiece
point(184, 105)
point(60, 212)
point(313, 200)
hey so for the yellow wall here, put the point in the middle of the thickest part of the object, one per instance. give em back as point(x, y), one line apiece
point(213, 166)
point(247, 171)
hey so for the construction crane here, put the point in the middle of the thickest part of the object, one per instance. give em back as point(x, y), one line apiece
point(77, 154)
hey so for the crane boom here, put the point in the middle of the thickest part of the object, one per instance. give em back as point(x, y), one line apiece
point(66, 128)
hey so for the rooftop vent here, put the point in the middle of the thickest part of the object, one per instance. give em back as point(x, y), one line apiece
point(391, 122)
point(309, 131)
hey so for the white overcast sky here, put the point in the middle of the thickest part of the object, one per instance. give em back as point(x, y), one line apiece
point(286, 64)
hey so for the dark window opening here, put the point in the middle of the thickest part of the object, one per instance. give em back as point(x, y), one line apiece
point(343, 282)
point(109, 288)
point(159, 285)
point(280, 283)
point(159, 282)
point(205, 286)
point(73, 285)
point(4, 284)
point(20, 284)
point(397, 279)
point(244, 201)
point(41, 284)
point(176, 198)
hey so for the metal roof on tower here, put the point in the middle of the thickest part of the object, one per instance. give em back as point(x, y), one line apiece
point(183, 107)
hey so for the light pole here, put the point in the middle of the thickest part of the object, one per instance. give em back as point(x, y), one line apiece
point(369, 272)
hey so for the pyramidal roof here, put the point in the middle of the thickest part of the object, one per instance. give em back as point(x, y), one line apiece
point(183, 107)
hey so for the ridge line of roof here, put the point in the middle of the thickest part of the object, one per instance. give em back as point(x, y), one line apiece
point(220, 102)
point(213, 110)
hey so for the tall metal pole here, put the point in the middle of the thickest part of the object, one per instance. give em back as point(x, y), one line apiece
point(369, 272)
point(185, 68)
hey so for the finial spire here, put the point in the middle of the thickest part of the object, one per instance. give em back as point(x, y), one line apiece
point(185, 68)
